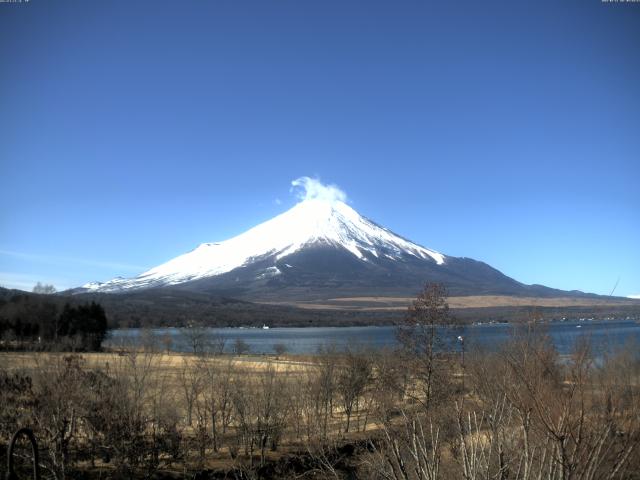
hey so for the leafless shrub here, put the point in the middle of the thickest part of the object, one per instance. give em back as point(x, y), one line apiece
point(240, 347)
point(352, 379)
point(280, 349)
point(408, 451)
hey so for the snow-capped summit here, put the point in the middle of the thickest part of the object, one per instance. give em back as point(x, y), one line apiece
point(315, 223)
point(319, 249)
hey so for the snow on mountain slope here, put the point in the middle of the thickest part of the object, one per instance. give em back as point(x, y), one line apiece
point(310, 222)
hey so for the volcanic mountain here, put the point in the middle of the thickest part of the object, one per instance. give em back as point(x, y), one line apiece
point(320, 249)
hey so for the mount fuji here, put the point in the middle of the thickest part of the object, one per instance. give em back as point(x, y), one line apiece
point(320, 248)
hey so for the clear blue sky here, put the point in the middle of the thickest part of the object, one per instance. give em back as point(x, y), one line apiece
point(509, 132)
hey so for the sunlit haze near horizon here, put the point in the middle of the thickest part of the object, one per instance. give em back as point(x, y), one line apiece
point(131, 132)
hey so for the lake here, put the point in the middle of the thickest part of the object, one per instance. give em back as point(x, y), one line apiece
point(605, 335)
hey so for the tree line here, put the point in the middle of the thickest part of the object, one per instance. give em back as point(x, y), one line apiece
point(41, 322)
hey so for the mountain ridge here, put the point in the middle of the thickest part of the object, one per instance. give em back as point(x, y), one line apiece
point(320, 249)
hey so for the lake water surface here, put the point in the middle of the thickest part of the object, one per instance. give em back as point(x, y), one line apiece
point(604, 335)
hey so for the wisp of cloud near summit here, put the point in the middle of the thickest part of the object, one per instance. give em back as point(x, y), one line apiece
point(307, 188)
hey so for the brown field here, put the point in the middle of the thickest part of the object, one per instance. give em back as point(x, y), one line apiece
point(290, 410)
point(168, 363)
point(474, 301)
point(168, 374)
point(166, 368)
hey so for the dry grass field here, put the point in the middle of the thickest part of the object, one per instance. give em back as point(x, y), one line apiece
point(163, 363)
point(474, 301)
point(263, 391)
point(522, 410)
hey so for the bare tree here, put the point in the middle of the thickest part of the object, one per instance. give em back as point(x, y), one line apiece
point(273, 404)
point(261, 408)
point(240, 347)
point(217, 396)
point(58, 387)
point(149, 341)
point(216, 344)
point(129, 415)
point(167, 342)
point(280, 349)
point(191, 383)
point(389, 383)
point(201, 412)
point(195, 337)
point(408, 451)
point(244, 411)
point(421, 341)
point(325, 389)
point(353, 378)
point(542, 418)
point(136, 383)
